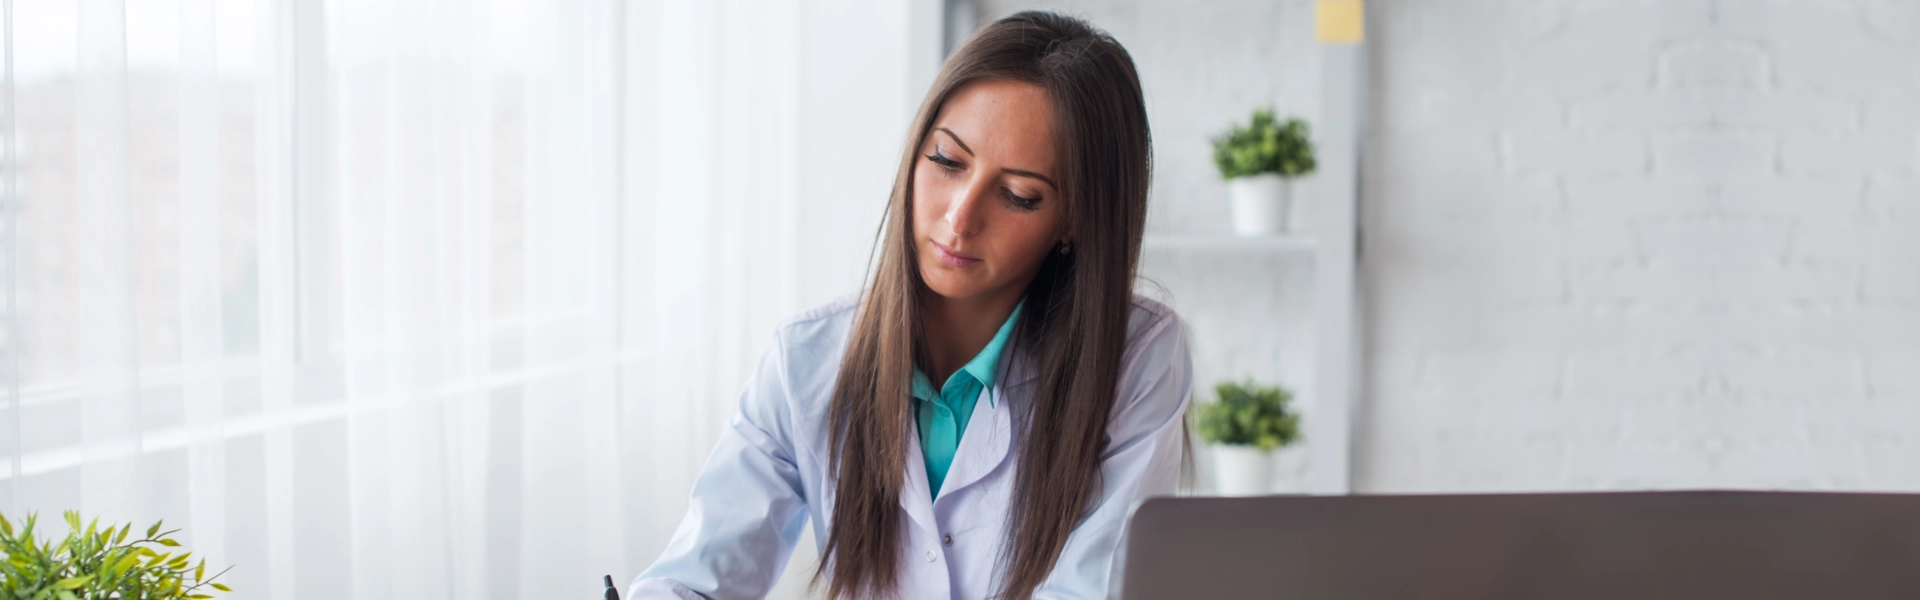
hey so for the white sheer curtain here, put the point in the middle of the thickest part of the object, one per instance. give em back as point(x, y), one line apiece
point(422, 298)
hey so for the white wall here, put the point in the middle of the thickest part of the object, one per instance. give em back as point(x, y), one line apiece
point(1642, 244)
point(1606, 245)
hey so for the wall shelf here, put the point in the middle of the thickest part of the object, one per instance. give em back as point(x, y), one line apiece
point(1324, 369)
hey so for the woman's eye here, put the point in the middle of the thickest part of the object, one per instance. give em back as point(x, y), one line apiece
point(1018, 200)
point(944, 162)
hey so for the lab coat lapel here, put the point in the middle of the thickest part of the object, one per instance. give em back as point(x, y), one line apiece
point(989, 436)
point(986, 444)
point(914, 496)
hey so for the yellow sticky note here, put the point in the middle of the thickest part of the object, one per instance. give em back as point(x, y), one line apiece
point(1340, 21)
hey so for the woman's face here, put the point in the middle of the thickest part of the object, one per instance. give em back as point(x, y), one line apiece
point(985, 207)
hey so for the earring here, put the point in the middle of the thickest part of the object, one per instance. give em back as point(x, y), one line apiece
point(1066, 248)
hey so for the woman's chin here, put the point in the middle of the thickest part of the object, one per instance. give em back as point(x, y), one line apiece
point(949, 286)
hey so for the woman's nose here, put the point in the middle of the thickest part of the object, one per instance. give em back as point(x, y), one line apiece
point(964, 212)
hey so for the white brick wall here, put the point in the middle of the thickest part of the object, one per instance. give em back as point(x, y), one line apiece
point(1642, 244)
point(1609, 244)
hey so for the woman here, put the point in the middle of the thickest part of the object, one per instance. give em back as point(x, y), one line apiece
point(1005, 276)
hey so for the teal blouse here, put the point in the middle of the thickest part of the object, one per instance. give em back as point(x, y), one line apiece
point(943, 416)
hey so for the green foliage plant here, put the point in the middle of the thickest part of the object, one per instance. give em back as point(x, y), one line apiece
point(1264, 146)
point(99, 564)
point(1249, 415)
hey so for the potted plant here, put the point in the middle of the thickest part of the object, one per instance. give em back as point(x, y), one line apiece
point(100, 564)
point(1246, 424)
point(1259, 162)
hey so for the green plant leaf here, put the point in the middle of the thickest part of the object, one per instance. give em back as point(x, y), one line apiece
point(126, 563)
point(73, 583)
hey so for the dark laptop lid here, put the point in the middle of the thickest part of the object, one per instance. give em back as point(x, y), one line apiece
point(1613, 546)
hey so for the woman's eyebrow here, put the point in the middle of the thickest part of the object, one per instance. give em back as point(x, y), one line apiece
point(1032, 174)
point(1020, 172)
point(956, 139)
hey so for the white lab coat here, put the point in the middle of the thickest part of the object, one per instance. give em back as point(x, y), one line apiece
point(767, 475)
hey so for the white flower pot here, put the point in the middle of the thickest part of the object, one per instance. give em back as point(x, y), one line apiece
point(1243, 470)
point(1259, 204)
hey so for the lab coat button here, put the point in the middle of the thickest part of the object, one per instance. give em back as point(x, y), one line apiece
point(947, 539)
point(930, 554)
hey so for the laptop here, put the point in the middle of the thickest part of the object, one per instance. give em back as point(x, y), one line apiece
point(1611, 546)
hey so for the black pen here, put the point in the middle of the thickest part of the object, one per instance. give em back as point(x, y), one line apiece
point(612, 594)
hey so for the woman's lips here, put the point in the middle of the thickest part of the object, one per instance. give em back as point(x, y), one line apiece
point(953, 259)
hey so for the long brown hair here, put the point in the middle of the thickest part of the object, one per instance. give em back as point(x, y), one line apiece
point(1074, 325)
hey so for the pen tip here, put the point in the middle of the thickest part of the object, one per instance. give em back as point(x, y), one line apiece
point(609, 579)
